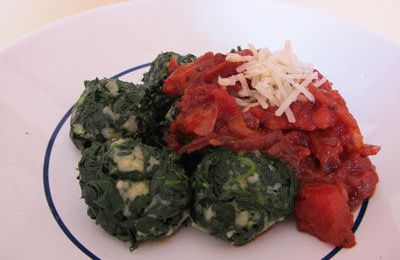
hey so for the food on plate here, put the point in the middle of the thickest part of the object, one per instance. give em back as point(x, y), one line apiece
point(271, 102)
point(322, 210)
point(134, 191)
point(155, 102)
point(159, 70)
point(110, 108)
point(239, 195)
point(106, 110)
point(260, 135)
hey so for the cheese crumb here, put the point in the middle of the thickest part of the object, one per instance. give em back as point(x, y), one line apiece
point(131, 125)
point(108, 112)
point(131, 162)
point(112, 87)
point(208, 214)
point(242, 218)
point(78, 129)
point(253, 178)
point(130, 190)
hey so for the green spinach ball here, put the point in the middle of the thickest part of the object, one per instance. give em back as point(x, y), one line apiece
point(107, 109)
point(110, 108)
point(134, 191)
point(158, 71)
point(239, 195)
point(156, 103)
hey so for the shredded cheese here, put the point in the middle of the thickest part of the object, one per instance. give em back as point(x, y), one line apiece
point(276, 79)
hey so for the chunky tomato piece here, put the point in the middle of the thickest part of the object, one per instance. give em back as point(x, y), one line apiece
point(326, 147)
point(267, 118)
point(237, 125)
point(255, 143)
point(324, 118)
point(184, 76)
point(202, 120)
point(221, 69)
point(322, 211)
point(292, 147)
point(303, 112)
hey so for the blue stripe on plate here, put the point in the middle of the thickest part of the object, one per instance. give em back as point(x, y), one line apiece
point(48, 192)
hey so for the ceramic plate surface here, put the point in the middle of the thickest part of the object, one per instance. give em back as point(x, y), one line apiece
point(42, 75)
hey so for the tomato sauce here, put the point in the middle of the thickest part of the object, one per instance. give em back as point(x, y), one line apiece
point(324, 145)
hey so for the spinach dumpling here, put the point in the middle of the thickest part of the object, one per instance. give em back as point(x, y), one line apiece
point(239, 195)
point(107, 109)
point(134, 191)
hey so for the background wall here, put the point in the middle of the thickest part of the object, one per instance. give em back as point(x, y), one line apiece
point(19, 17)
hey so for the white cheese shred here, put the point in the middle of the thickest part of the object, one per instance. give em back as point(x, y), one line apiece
point(276, 79)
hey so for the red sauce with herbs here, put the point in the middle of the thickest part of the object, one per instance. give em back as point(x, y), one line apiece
point(324, 145)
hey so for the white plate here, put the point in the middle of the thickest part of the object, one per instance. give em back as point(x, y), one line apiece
point(42, 75)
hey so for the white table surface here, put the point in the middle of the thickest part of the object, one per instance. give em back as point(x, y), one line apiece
point(19, 17)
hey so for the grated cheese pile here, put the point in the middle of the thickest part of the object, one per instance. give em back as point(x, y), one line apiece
point(276, 79)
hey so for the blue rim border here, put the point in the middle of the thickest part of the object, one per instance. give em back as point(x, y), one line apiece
point(68, 233)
